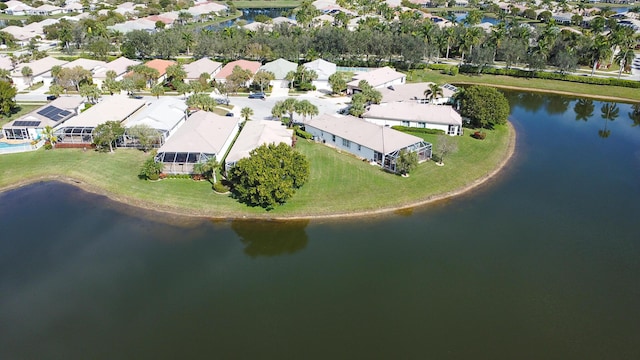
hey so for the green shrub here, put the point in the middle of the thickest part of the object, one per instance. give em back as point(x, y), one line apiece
point(453, 71)
point(219, 187)
point(416, 130)
point(303, 134)
point(151, 169)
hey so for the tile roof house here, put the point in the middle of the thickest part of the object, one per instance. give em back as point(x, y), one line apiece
point(161, 66)
point(415, 92)
point(377, 78)
point(375, 143)
point(323, 69)
point(87, 64)
point(203, 136)
point(226, 70)
point(41, 72)
point(79, 129)
point(414, 114)
point(164, 115)
point(15, 7)
point(198, 67)
point(280, 68)
point(119, 66)
point(254, 134)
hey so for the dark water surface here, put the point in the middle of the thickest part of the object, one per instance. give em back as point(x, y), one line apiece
point(543, 263)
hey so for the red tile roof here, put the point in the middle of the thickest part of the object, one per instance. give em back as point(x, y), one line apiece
point(252, 66)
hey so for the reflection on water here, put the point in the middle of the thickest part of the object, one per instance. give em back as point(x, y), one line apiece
point(610, 112)
point(271, 238)
point(584, 109)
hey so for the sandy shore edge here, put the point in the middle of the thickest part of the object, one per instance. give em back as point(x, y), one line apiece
point(186, 213)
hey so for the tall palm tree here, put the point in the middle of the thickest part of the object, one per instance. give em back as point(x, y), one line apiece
point(5, 74)
point(189, 40)
point(610, 112)
point(583, 109)
point(157, 90)
point(433, 92)
point(600, 49)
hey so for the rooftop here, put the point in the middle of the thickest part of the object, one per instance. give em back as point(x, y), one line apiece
point(256, 133)
point(377, 77)
point(379, 138)
point(413, 111)
point(162, 114)
point(112, 108)
point(203, 132)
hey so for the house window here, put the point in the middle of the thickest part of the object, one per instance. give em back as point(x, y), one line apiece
point(405, 123)
point(359, 147)
point(346, 143)
point(333, 138)
point(421, 125)
point(451, 130)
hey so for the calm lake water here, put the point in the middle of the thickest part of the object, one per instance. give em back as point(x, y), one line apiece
point(542, 263)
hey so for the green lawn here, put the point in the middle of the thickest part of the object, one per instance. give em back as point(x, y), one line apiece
point(339, 182)
point(21, 109)
point(527, 83)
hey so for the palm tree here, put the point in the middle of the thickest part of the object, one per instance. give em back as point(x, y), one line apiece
point(49, 136)
point(583, 109)
point(5, 74)
point(289, 107)
point(610, 112)
point(207, 169)
point(246, 113)
point(27, 73)
point(278, 110)
point(600, 49)
point(188, 39)
point(157, 90)
point(305, 108)
point(433, 92)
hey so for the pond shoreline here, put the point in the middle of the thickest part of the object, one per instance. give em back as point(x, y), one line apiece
point(558, 92)
point(150, 206)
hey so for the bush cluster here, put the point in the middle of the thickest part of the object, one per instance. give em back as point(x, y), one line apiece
point(551, 76)
point(303, 134)
point(219, 187)
point(178, 176)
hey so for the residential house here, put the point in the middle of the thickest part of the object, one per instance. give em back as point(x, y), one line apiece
point(375, 143)
point(31, 125)
point(46, 10)
point(204, 136)
point(280, 68)
point(120, 66)
point(254, 134)
point(41, 70)
point(15, 7)
point(87, 64)
point(205, 10)
point(129, 8)
point(165, 115)
point(226, 70)
point(378, 78)
point(324, 69)
point(78, 131)
point(161, 66)
point(416, 92)
point(202, 66)
point(413, 114)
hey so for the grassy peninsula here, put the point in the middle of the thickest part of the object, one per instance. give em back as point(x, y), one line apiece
point(339, 185)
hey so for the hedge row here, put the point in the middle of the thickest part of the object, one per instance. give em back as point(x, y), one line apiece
point(303, 134)
point(551, 76)
point(417, 130)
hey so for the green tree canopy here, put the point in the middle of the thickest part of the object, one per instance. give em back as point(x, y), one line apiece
point(484, 106)
point(7, 98)
point(270, 175)
point(106, 134)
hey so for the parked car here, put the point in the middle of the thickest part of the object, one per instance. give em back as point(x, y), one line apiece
point(258, 95)
point(229, 114)
point(51, 97)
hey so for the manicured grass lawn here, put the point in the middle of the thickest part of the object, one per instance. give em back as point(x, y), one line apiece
point(541, 84)
point(20, 110)
point(339, 182)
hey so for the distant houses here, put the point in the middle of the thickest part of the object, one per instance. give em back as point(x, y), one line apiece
point(324, 69)
point(252, 66)
point(280, 68)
